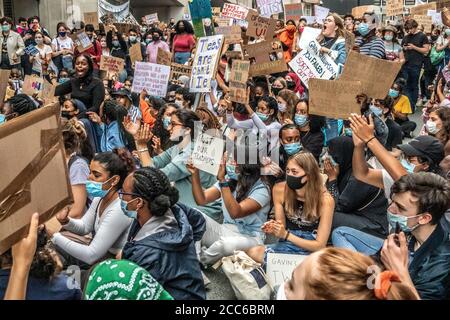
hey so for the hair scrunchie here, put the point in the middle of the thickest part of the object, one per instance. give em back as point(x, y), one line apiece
point(383, 283)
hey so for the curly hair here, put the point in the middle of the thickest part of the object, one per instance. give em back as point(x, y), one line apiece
point(187, 27)
point(213, 122)
point(153, 185)
point(21, 104)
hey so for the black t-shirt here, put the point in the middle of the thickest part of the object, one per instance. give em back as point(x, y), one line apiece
point(413, 57)
point(395, 134)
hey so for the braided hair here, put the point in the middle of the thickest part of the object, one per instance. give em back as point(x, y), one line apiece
point(22, 104)
point(153, 185)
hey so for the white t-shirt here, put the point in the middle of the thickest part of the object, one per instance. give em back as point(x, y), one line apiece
point(60, 44)
point(37, 63)
point(387, 183)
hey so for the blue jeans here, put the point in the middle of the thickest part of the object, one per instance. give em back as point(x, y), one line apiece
point(355, 240)
point(182, 57)
point(411, 74)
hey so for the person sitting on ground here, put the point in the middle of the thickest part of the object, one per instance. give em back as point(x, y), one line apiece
point(402, 108)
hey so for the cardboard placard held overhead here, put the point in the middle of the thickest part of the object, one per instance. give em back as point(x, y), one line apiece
point(320, 13)
point(163, 57)
point(238, 81)
point(269, 7)
point(178, 70)
point(394, 8)
point(111, 64)
point(441, 4)
point(205, 63)
point(234, 11)
point(32, 85)
point(232, 34)
point(91, 18)
point(358, 12)
point(265, 58)
point(422, 9)
point(4, 77)
point(280, 266)
point(151, 18)
point(152, 77)
point(34, 173)
point(224, 22)
point(208, 153)
point(125, 27)
point(293, 11)
point(135, 53)
point(84, 43)
point(48, 93)
point(365, 69)
point(260, 27)
point(424, 21)
point(334, 98)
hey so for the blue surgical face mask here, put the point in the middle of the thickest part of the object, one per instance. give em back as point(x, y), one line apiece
point(166, 122)
point(363, 29)
point(393, 93)
point(376, 111)
point(231, 172)
point(408, 165)
point(301, 120)
point(95, 189)
point(447, 32)
point(262, 116)
point(393, 219)
point(292, 148)
point(129, 213)
point(116, 43)
point(348, 132)
point(2, 118)
point(388, 37)
point(62, 80)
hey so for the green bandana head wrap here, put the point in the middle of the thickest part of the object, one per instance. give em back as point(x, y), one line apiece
point(123, 280)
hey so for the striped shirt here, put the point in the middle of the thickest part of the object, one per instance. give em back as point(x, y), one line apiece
point(374, 48)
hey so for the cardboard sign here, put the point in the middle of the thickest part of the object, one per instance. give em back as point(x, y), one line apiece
point(334, 98)
point(34, 173)
point(265, 58)
point(425, 21)
point(224, 22)
point(260, 27)
point(135, 53)
point(358, 12)
point(269, 7)
point(293, 11)
point(178, 70)
point(232, 33)
point(365, 69)
point(422, 9)
point(48, 93)
point(163, 57)
point(208, 153)
point(280, 266)
point(91, 18)
point(311, 63)
point(441, 4)
point(125, 27)
point(205, 63)
point(234, 11)
point(436, 17)
point(4, 77)
point(394, 8)
point(151, 18)
point(31, 50)
point(32, 85)
point(152, 77)
point(111, 64)
point(321, 13)
point(238, 81)
point(84, 42)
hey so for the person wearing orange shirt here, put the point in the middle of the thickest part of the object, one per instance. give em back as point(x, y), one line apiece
point(286, 34)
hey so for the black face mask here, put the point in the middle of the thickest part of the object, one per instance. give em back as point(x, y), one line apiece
point(66, 114)
point(295, 183)
point(276, 91)
point(291, 85)
point(155, 38)
point(434, 38)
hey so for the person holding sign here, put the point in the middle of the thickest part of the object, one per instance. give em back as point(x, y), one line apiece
point(63, 48)
point(245, 204)
point(303, 211)
point(42, 60)
point(332, 38)
point(117, 48)
point(157, 42)
point(95, 52)
point(183, 42)
point(368, 43)
point(12, 45)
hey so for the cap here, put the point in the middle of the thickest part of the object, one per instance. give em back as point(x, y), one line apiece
point(390, 28)
point(122, 92)
point(427, 147)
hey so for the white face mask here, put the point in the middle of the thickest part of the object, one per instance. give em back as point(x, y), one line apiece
point(281, 294)
point(431, 127)
point(282, 107)
point(179, 103)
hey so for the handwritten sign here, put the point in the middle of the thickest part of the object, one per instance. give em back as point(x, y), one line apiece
point(265, 58)
point(260, 27)
point(31, 50)
point(208, 153)
point(84, 42)
point(205, 63)
point(280, 266)
point(238, 81)
point(178, 70)
point(234, 11)
point(425, 21)
point(293, 11)
point(358, 12)
point(163, 57)
point(151, 18)
point(91, 18)
point(365, 69)
point(111, 64)
point(224, 22)
point(32, 85)
point(422, 9)
point(334, 98)
point(269, 7)
point(311, 63)
point(321, 13)
point(308, 35)
point(152, 77)
point(394, 8)
point(232, 33)
point(48, 93)
point(135, 53)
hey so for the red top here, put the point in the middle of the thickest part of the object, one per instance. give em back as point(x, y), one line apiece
point(183, 42)
point(95, 52)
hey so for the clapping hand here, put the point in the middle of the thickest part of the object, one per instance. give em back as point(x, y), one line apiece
point(130, 126)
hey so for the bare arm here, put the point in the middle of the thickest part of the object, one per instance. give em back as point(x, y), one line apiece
point(79, 197)
point(202, 197)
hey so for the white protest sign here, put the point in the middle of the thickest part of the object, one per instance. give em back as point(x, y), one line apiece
point(208, 153)
point(280, 266)
point(308, 34)
point(151, 77)
point(309, 19)
point(205, 63)
point(269, 7)
point(84, 40)
point(234, 11)
point(321, 13)
point(311, 63)
point(436, 17)
point(151, 18)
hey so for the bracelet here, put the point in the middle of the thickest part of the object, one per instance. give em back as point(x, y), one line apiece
point(225, 184)
point(370, 140)
point(287, 235)
point(142, 150)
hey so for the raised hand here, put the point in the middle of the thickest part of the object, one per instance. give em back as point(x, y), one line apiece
point(130, 126)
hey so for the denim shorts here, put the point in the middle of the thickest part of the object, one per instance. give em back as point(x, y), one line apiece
point(288, 247)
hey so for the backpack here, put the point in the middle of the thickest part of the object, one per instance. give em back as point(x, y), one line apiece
point(436, 57)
